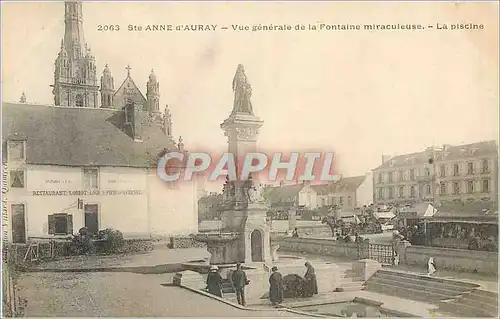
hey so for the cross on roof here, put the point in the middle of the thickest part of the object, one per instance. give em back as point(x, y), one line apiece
point(128, 68)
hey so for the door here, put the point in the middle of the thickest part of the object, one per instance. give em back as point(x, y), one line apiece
point(18, 224)
point(92, 218)
point(256, 242)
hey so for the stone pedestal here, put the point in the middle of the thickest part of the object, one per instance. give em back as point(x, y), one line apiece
point(401, 250)
point(257, 234)
point(189, 279)
point(365, 268)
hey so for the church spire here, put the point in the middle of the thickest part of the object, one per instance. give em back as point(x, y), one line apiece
point(75, 77)
point(74, 39)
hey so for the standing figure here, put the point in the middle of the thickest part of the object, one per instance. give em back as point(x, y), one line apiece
point(295, 233)
point(431, 267)
point(239, 278)
point(310, 282)
point(214, 281)
point(276, 287)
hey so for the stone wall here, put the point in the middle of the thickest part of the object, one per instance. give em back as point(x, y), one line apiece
point(445, 258)
point(453, 259)
point(185, 242)
point(319, 246)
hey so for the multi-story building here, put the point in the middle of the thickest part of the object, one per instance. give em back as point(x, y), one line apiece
point(448, 174)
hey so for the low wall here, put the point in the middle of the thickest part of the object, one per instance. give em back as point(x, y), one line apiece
point(319, 246)
point(445, 258)
point(453, 259)
point(185, 242)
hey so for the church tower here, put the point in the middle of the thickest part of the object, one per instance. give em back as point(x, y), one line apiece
point(107, 88)
point(153, 94)
point(75, 77)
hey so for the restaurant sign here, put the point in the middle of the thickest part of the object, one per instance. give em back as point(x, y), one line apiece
point(95, 192)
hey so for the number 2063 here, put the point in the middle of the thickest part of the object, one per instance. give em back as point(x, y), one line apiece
point(108, 27)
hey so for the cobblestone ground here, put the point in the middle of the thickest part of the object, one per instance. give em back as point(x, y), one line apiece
point(119, 295)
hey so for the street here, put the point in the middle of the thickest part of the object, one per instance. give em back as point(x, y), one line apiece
point(118, 295)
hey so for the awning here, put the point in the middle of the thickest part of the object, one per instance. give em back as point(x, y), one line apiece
point(385, 215)
point(462, 221)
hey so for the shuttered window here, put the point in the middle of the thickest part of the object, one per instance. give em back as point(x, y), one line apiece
point(60, 224)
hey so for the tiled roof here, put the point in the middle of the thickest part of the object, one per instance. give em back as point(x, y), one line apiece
point(486, 148)
point(286, 193)
point(345, 185)
point(80, 136)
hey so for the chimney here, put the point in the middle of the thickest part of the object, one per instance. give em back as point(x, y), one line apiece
point(385, 158)
point(133, 121)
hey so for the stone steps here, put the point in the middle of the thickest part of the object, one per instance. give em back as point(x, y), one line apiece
point(416, 287)
point(352, 286)
point(456, 308)
point(476, 303)
point(405, 293)
point(446, 291)
point(427, 279)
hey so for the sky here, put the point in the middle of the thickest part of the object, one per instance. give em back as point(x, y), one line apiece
point(359, 93)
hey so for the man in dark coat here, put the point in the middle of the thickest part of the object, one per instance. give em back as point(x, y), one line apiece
point(214, 281)
point(239, 278)
point(310, 282)
point(276, 287)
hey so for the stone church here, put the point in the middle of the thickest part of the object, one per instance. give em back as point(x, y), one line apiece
point(75, 76)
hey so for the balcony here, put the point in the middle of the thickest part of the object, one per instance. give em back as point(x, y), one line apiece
point(427, 178)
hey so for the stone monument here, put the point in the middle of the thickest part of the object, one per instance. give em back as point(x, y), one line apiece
point(244, 235)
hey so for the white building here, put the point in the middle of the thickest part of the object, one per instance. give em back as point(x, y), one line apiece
point(347, 193)
point(71, 167)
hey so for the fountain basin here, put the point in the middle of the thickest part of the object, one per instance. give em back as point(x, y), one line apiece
point(210, 237)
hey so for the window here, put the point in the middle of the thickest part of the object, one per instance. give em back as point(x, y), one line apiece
point(380, 178)
point(16, 150)
point(17, 179)
point(412, 191)
point(90, 178)
point(442, 171)
point(389, 177)
point(341, 201)
point(412, 174)
point(442, 188)
point(456, 188)
point(79, 100)
point(456, 170)
point(486, 186)
point(428, 190)
point(60, 224)
point(401, 191)
point(427, 172)
point(380, 193)
point(401, 175)
point(470, 187)
point(485, 166)
point(470, 168)
point(349, 200)
point(391, 192)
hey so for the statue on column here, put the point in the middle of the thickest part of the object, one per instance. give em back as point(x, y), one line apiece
point(242, 92)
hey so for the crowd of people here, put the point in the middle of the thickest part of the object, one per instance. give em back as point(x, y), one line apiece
point(278, 285)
